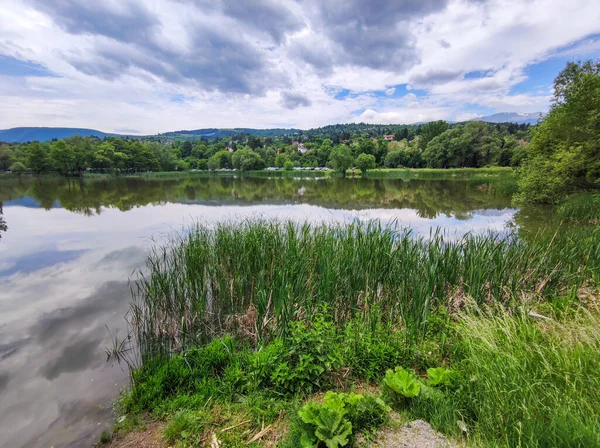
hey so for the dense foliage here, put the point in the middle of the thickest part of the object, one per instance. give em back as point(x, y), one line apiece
point(340, 147)
point(564, 154)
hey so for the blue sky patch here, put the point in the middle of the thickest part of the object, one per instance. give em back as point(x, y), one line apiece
point(10, 66)
point(477, 74)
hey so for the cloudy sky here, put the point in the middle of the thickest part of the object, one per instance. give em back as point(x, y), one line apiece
point(136, 66)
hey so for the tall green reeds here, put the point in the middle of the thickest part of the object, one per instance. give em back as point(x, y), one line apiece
point(255, 277)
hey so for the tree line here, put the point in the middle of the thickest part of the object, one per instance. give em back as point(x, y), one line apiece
point(436, 144)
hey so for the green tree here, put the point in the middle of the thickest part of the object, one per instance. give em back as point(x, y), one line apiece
point(18, 168)
point(367, 146)
point(280, 160)
point(396, 159)
point(341, 158)
point(431, 130)
point(5, 157)
point(565, 147)
point(288, 165)
point(246, 159)
point(474, 145)
point(63, 157)
point(38, 158)
point(365, 162)
point(104, 156)
point(221, 159)
point(186, 149)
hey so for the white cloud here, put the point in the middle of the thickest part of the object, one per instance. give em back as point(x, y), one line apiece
point(278, 63)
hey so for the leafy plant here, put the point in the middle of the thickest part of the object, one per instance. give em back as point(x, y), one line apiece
point(311, 352)
point(439, 376)
point(365, 412)
point(333, 421)
point(325, 424)
point(401, 385)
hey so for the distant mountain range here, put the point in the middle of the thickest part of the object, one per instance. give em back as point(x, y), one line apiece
point(22, 135)
point(511, 117)
point(225, 132)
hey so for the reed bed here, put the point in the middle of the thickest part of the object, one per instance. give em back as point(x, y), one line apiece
point(254, 278)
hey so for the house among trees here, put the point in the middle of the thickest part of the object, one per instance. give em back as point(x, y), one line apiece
point(301, 148)
point(389, 137)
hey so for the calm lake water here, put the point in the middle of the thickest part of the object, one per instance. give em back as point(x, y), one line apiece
point(68, 248)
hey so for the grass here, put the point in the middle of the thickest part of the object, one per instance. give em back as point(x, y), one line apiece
point(435, 173)
point(580, 208)
point(258, 277)
point(524, 382)
point(243, 324)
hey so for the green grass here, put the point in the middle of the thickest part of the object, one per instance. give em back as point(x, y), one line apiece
point(249, 320)
point(580, 208)
point(435, 173)
point(524, 382)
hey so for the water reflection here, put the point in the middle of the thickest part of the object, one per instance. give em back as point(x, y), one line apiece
point(3, 226)
point(71, 247)
point(428, 197)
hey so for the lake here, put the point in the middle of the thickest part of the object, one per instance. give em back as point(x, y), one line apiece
point(68, 248)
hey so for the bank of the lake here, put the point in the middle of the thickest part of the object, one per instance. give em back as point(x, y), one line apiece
point(242, 328)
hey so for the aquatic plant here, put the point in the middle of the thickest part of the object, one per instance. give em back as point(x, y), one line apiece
point(255, 278)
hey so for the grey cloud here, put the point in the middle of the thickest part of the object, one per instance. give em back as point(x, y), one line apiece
point(130, 22)
point(272, 17)
point(12, 348)
point(268, 16)
point(372, 34)
point(129, 257)
point(487, 84)
point(444, 43)
point(291, 100)
point(435, 77)
point(219, 59)
point(89, 313)
point(4, 378)
point(78, 356)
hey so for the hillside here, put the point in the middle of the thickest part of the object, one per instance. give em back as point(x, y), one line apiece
point(26, 134)
point(511, 117)
point(212, 133)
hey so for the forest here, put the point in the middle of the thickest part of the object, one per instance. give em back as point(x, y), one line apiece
point(436, 145)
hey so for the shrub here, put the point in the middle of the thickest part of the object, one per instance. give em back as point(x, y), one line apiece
point(311, 353)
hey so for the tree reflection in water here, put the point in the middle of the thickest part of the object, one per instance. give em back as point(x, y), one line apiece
point(429, 198)
point(3, 226)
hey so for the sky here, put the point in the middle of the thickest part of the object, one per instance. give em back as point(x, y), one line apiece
point(151, 66)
